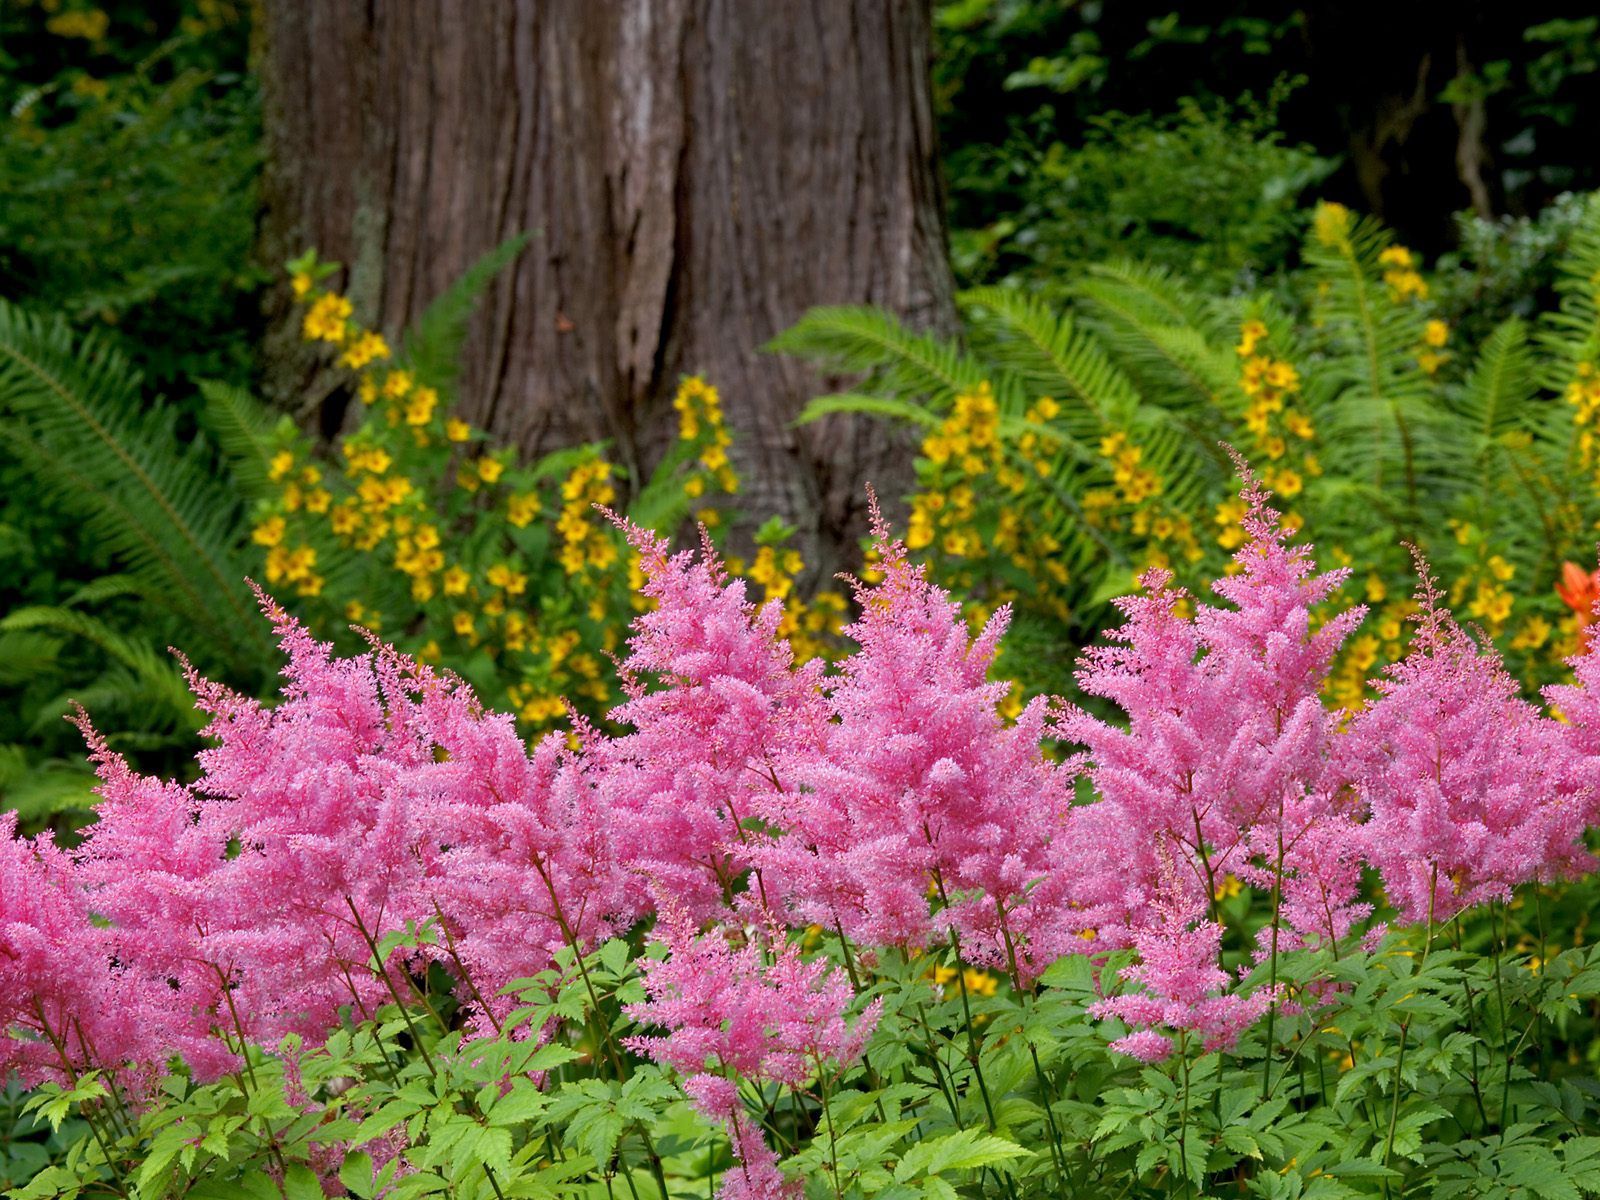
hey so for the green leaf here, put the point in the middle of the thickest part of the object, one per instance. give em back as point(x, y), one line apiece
point(965, 1150)
point(301, 1183)
point(356, 1173)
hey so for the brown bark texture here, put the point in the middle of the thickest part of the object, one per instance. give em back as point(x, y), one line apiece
point(695, 173)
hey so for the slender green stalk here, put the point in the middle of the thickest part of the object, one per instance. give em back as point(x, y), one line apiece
point(1405, 1031)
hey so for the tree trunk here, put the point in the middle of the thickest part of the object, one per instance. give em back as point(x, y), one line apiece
point(696, 173)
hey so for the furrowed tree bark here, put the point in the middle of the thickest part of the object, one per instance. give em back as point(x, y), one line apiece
point(696, 174)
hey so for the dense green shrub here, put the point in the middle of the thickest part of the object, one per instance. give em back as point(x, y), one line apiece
point(1066, 449)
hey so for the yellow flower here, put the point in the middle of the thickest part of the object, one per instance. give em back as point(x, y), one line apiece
point(1283, 375)
point(522, 508)
point(501, 575)
point(1330, 225)
point(462, 622)
point(457, 430)
point(490, 469)
point(282, 463)
point(397, 384)
point(1436, 333)
point(368, 347)
point(344, 517)
point(455, 581)
point(269, 532)
point(300, 283)
point(420, 409)
point(325, 320)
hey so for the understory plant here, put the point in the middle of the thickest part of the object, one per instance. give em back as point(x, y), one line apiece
point(1065, 450)
point(787, 928)
point(414, 523)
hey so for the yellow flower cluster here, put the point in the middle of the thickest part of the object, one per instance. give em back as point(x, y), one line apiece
point(1381, 640)
point(584, 544)
point(327, 319)
point(700, 420)
point(969, 436)
point(810, 626)
point(950, 981)
point(1134, 483)
point(1330, 223)
point(1480, 591)
point(1483, 588)
point(1275, 420)
point(1583, 393)
point(1400, 273)
point(1433, 355)
point(966, 520)
point(395, 506)
point(1138, 489)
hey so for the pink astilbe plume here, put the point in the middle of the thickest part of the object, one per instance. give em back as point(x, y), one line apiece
point(1471, 790)
point(1183, 989)
point(67, 1004)
point(1224, 759)
point(752, 1010)
point(919, 784)
point(533, 863)
point(328, 853)
point(732, 706)
point(149, 866)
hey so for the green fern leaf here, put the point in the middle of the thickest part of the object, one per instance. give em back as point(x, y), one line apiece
point(79, 426)
point(242, 427)
point(432, 347)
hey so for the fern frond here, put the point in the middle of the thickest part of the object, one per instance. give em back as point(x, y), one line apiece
point(242, 427)
point(1138, 311)
point(1502, 384)
point(1570, 333)
point(79, 428)
point(1381, 419)
point(106, 587)
point(40, 791)
point(877, 406)
point(898, 362)
point(27, 654)
point(156, 674)
point(1052, 357)
point(432, 347)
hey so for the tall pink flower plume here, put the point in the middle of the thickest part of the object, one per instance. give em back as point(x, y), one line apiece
point(886, 799)
point(730, 707)
point(918, 784)
point(1183, 990)
point(1224, 758)
point(1471, 790)
point(67, 1004)
point(753, 1010)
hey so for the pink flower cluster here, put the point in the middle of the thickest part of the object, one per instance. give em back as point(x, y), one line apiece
point(747, 1009)
point(885, 800)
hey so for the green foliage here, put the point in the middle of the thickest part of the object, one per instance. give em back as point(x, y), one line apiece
point(150, 497)
point(124, 487)
point(128, 163)
point(1424, 1068)
point(1066, 447)
point(1211, 191)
